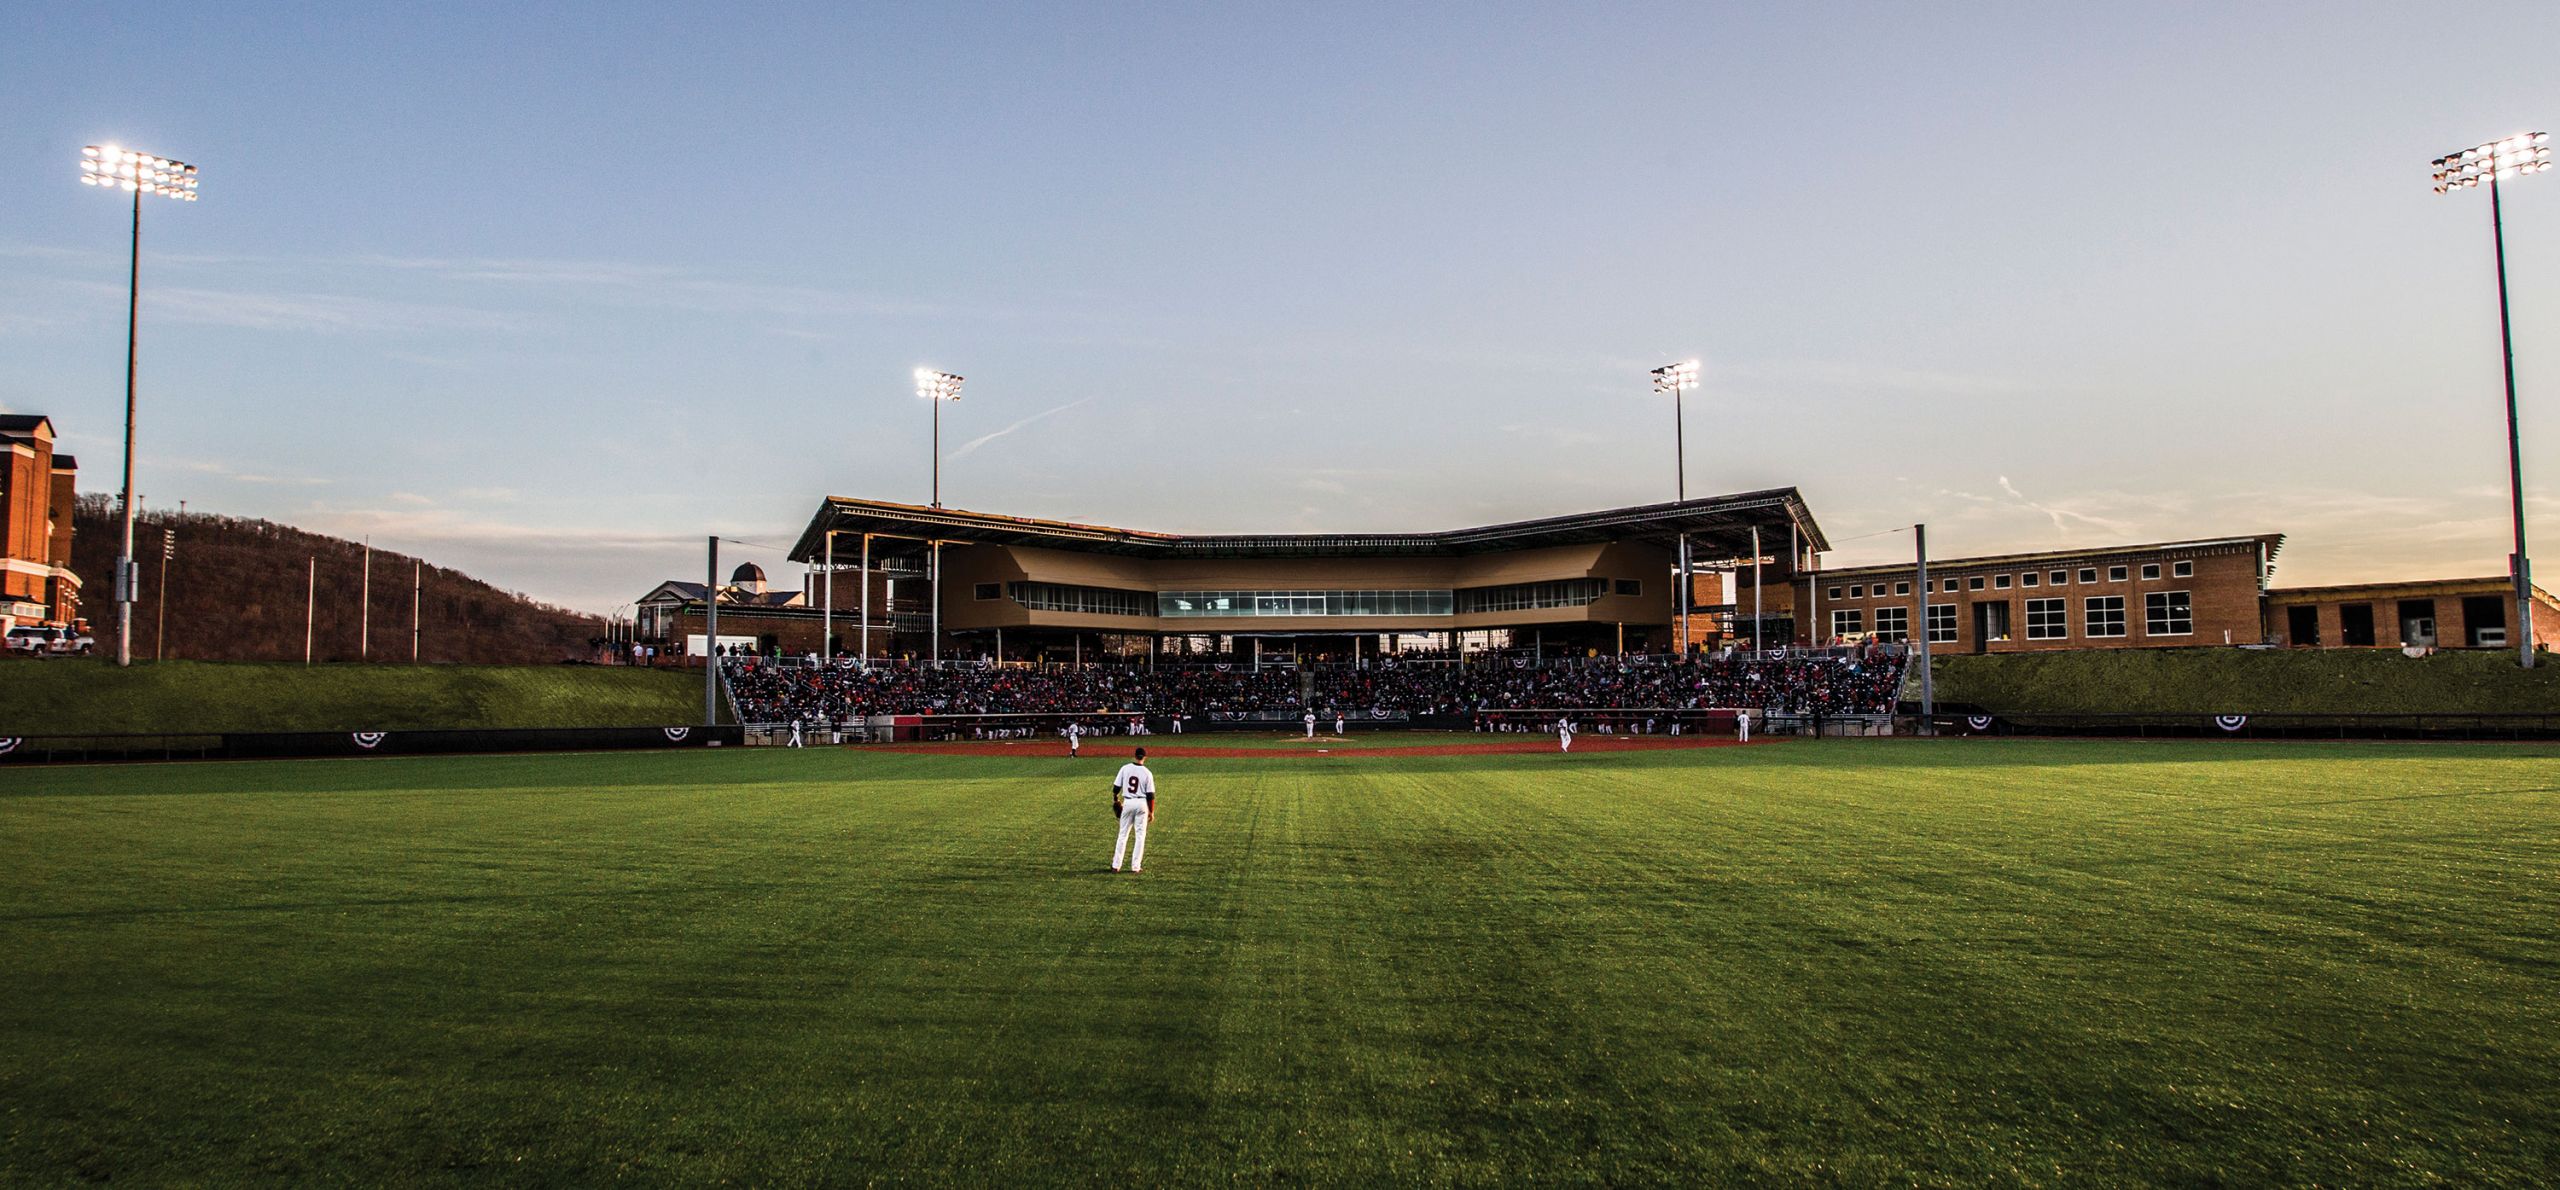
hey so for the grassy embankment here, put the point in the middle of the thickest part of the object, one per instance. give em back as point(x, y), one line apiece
point(2249, 681)
point(84, 696)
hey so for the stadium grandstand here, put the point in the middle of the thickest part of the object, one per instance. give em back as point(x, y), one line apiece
point(1663, 693)
point(1021, 589)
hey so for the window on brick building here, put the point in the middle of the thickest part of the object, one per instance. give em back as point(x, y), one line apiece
point(2059, 578)
point(1942, 623)
point(2028, 579)
point(1902, 588)
point(2182, 570)
point(1893, 623)
point(2088, 574)
point(2048, 619)
point(2102, 615)
point(2168, 613)
point(1949, 587)
point(1974, 583)
point(1858, 592)
point(2115, 574)
point(2000, 582)
point(1847, 620)
point(2151, 572)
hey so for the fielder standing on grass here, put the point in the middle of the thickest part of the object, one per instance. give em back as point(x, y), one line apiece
point(1133, 798)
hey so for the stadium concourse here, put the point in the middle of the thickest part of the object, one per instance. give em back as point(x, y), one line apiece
point(1634, 693)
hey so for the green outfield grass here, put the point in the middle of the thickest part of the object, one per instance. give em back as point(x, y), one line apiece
point(1944, 963)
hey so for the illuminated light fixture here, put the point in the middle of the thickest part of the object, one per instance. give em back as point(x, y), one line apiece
point(2496, 161)
point(1670, 378)
point(2513, 157)
point(937, 386)
point(137, 173)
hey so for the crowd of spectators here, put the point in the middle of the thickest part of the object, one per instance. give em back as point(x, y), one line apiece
point(1865, 682)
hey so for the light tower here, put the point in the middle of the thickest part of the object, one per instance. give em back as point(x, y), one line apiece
point(2499, 160)
point(1677, 379)
point(937, 387)
point(136, 174)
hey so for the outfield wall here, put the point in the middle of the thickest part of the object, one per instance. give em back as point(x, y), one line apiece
point(271, 744)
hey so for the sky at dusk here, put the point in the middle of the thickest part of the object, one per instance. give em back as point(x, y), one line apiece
point(549, 293)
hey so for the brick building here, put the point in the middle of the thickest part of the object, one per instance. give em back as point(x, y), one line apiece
point(2469, 613)
point(36, 489)
point(2162, 595)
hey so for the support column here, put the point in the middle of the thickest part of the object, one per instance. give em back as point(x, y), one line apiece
point(936, 586)
point(865, 655)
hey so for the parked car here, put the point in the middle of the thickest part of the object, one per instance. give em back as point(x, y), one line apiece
point(39, 641)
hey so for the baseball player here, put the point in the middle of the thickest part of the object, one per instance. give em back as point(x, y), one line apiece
point(1133, 793)
point(1075, 739)
point(1742, 725)
point(1337, 723)
point(1311, 723)
point(1564, 734)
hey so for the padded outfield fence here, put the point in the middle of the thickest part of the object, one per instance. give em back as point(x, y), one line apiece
point(2505, 726)
point(40, 749)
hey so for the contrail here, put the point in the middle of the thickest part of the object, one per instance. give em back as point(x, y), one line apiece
point(984, 439)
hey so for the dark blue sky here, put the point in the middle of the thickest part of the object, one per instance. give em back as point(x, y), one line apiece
point(551, 294)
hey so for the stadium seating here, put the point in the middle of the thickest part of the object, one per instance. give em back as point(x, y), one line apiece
point(1832, 683)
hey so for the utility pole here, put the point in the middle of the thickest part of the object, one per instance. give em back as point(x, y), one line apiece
point(711, 640)
point(364, 606)
point(417, 593)
point(1928, 694)
point(310, 608)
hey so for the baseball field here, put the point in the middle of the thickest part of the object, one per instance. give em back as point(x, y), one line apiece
point(1961, 962)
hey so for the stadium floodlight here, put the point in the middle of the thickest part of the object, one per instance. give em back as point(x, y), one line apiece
point(137, 174)
point(1676, 379)
point(937, 387)
point(2496, 161)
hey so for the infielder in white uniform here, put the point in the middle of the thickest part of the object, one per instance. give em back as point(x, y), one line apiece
point(1311, 724)
point(1564, 734)
point(1134, 792)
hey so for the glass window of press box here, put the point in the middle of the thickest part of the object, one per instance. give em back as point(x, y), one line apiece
point(1198, 604)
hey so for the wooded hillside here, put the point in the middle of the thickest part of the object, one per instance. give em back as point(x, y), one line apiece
point(236, 592)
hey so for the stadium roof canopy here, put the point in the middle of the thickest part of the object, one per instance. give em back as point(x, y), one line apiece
point(1718, 527)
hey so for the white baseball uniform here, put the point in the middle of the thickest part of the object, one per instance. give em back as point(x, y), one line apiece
point(1137, 788)
point(1311, 724)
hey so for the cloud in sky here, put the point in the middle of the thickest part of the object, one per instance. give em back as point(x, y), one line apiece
point(971, 446)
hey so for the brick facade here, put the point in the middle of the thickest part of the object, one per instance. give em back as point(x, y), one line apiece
point(2168, 595)
point(2464, 613)
point(37, 585)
